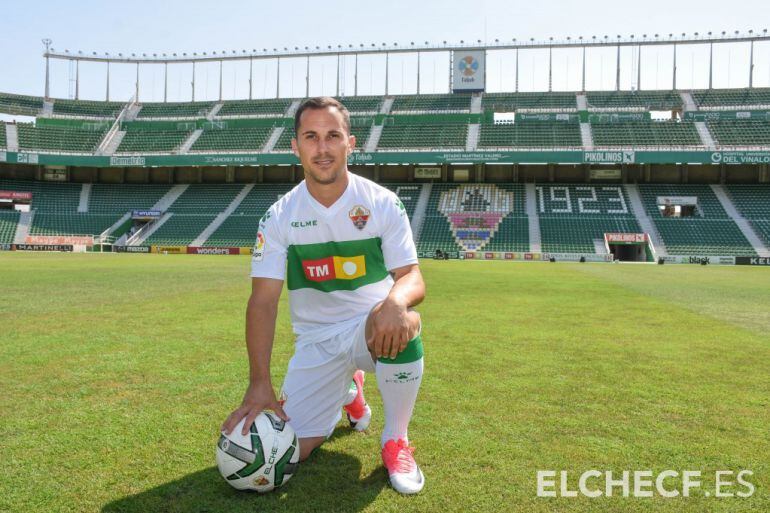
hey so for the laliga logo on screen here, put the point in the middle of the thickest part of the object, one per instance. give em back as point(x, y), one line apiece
point(468, 65)
point(716, 157)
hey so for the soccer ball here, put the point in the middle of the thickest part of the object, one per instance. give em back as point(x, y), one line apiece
point(262, 460)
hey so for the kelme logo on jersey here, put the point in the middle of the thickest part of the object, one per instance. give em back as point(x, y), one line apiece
point(360, 216)
point(335, 268)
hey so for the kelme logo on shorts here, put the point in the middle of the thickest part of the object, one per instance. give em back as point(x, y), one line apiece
point(335, 268)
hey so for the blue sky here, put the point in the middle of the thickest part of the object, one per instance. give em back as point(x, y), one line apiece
point(143, 26)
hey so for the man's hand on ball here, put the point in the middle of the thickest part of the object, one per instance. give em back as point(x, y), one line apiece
point(259, 396)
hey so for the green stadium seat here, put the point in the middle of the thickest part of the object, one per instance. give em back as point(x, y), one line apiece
point(146, 141)
point(530, 134)
point(85, 108)
point(20, 104)
point(9, 220)
point(633, 100)
point(450, 136)
point(740, 132)
point(235, 139)
point(511, 102)
point(254, 108)
point(175, 110)
point(732, 97)
point(58, 139)
point(432, 103)
point(710, 232)
point(647, 134)
point(3, 142)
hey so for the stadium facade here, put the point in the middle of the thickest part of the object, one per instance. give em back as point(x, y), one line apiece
point(563, 175)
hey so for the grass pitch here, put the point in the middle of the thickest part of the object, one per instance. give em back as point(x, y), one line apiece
point(117, 370)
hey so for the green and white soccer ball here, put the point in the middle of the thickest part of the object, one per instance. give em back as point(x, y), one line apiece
point(263, 459)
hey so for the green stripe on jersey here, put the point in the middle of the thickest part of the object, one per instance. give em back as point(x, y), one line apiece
point(341, 265)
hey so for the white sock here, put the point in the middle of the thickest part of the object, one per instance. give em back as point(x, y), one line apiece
point(398, 384)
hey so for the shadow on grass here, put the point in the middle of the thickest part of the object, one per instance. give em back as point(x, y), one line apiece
point(328, 481)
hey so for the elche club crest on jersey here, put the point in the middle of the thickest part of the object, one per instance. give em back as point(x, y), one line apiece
point(360, 216)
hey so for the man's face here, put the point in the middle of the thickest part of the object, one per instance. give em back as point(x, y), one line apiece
point(323, 145)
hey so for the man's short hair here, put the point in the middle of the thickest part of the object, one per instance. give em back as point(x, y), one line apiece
point(321, 102)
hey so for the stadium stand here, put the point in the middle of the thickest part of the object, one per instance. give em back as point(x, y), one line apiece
point(236, 139)
point(739, 132)
point(732, 97)
point(284, 142)
point(47, 196)
point(117, 199)
point(753, 203)
point(175, 110)
point(530, 134)
point(179, 230)
point(3, 142)
point(709, 232)
point(70, 224)
point(510, 102)
point(58, 139)
point(84, 108)
point(8, 222)
point(573, 217)
point(361, 104)
point(451, 136)
point(432, 103)
point(475, 217)
point(254, 108)
point(641, 134)
point(148, 141)
point(20, 104)
point(628, 100)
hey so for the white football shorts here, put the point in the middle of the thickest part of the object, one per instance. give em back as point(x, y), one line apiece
point(318, 379)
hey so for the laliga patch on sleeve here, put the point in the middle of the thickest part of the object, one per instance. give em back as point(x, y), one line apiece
point(259, 248)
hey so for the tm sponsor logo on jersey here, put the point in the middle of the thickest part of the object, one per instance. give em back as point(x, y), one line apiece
point(335, 268)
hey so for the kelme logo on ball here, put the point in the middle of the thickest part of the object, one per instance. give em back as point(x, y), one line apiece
point(335, 268)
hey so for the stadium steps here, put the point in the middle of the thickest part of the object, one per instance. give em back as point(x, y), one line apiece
point(600, 248)
point(109, 145)
point(22, 229)
point(292, 109)
point(12, 137)
point(214, 111)
point(472, 137)
point(85, 195)
point(185, 146)
point(374, 138)
point(740, 221)
point(705, 135)
point(47, 111)
point(217, 222)
point(586, 137)
point(132, 111)
point(687, 101)
point(273, 139)
point(170, 197)
point(418, 218)
point(582, 102)
point(476, 104)
point(535, 239)
point(387, 105)
point(143, 234)
point(646, 224)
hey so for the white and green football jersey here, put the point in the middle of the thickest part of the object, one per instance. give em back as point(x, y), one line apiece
point(336, 260)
